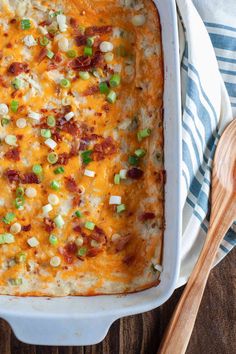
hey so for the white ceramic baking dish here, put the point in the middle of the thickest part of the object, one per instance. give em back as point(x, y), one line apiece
point(86, 320)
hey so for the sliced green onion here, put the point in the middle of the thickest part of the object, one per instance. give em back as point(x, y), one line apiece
point(8, 218)
point(14, 105)
point(21, 257)
point(111, 97)
point(16, 83)
point(5, 121)
point(19, 202)
point(115, 80)
point(133, 160)
point(25, 24)
point(88, 51)
point(103, 87)
point(50, 54)
point(44, 41)
point(120, 208)
point(71, 53)
point(84, 75)
point(140, 152)
point(51, 121)
point(59, 170)
point(55, 185)
point(65, 83)
point(11, 140)
point(37, 169)
point(54, 14)
point(144, 134)
point(90, 41)
point(86, 156)
point(6, 238)
point(82, 251)
point(17, 281)
point(46, 133)
point(52, 157)
point(89, 225)
point(20, 192)
point(78, 214)
point(117, 179)
point(53, 240)
point(59, 221)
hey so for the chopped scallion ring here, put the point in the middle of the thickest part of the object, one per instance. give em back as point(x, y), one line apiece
point(89, 225)
point(59, 170)
point(117, 179)
point(84, 75)
point(86, 156)
point(50, 54)
point(33, 242)
point(144, 134)
point(8, 218)
point(88, 51)
point(120, 208)
point(71, 53)
point(78, 214)
point(47, 208)
point(55, 185)
point(52, 157)
point(25, 24)
point(55, 261)
point(21, 257)
point(133, 160)
point(111, 97)
point(37, 169)
point(16, 83)
point(19, 203)
point(14, 105)
point(44, 41)
point(59, 221)
point(20, 192)
point(53, 240)
point(103, 87)
point(65, 83)
point(11, 140)
point(82, 251)
point(90, 41)
point(6, 238)
point(5, 121)
point(51, 121)
point(140, 152)
point(115, 80)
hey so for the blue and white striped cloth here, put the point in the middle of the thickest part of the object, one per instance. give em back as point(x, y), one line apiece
point(208, 68)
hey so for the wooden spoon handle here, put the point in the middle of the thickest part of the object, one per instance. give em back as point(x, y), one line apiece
point(178, 333)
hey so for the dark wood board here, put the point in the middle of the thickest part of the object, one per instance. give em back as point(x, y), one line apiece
point(214, 333)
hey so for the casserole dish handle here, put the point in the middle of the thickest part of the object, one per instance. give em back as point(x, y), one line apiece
point(60, 331)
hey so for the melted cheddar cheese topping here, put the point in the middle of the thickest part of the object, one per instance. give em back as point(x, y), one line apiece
point(81, 170)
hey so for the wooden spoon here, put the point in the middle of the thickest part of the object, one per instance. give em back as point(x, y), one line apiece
point(223, 214)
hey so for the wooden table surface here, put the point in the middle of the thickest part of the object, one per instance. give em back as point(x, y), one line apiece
point(214, 333)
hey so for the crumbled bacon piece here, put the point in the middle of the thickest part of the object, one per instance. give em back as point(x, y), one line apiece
point(30, 178)
point(135, 173)
point(73, 22)
point(70, 184)
point(84, 63)
point(77, 228)
point(18, 68)
point(56, 136)
point(58, 58)
point(121, 242)
point(75, 146)
point(91, 90)
point(13, 154)
point(106, 148)
point(71, 128)
point(4, 82)
point(76, 200)
point(13, 176)
point(49, 224)
point(42, 54)
point(81, 40)
point(91, 31)
point(98, 235)
point(147, 216)
point(26, 228)
point(45, 23)
point(68, 251)
point(129, 259)
point(63, 158)
point(93, 252)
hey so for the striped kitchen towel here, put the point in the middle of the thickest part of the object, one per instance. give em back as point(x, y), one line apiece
point(208, 68)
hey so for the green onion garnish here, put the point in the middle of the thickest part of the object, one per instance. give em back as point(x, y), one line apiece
point(46, 133)
point(19, 202)
point(78, 214)
point(14, 106)
point(51, 121)
point(86, 156)
point(115, 80)
point(52, 157)
point(144, 134)
point(20, 192)
point(5, 121)
point(25, 24)
point(8, 218)
point(111, 97)
point(88, 51)
point(50, 54)
point(103, 87)
point(82, 251)
point(16, 83)
point(71, 53)
point(140, 152)
point(120, 208)
point(117, 179)
point(59, 170)
point(37, 169)
point(55, 185)
point(53, 240)
point(89, 225)
point(90, 41)
point(17, 281)
point(21, 257)
point(65, 83)
point(84, 75)
point(44, 41)
point(59, 221)
point(133, 160)
point(6, 238)
point(54, 14)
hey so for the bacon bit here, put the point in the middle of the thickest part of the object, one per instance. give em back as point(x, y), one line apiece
point(71, 128)
point(49, 224)
point(56, 136)
point(30, 178)
point(18, 68)
point(13, 176)
point(147, 216)
point(45, 23)
point(3, 82)
point(58, 58)
point(91, 90)
point(121, 242)
point(99, 235)
point(81, 40)
point(42, 54)
point(93, 252)
point(1, 54)
point(84, 63)
point(135, 173)
point(12, 21)
point(70, 184)
point(9, 45)
point(77, 228)
point(75, 146)
point(73, 22)
point(129, 259)
point(91, 31)
point(76, 200)
point(106, 148)
point(63, 158)
point(26, 228)
point(51, 66)
point(13, 154)
point(68, 251)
